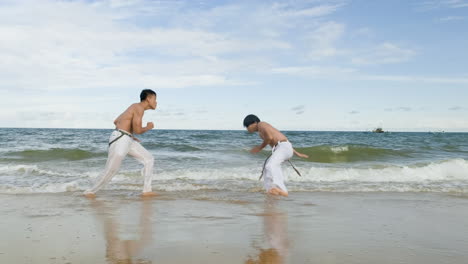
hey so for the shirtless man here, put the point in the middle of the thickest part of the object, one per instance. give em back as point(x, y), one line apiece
point(282, 150)
point(122, 142)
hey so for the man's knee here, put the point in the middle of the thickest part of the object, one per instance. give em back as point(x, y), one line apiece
point(270, 166)
point(149, 160)
point(118, 155)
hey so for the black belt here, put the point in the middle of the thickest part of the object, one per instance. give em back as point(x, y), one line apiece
point(280, 142)
point(292, 165)
point(122, 133)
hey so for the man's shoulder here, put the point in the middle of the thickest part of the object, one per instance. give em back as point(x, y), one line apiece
point(264, 124)
point(136, 107)
point(267, 127)
point(264, 127)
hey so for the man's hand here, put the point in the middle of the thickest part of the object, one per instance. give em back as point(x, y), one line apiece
point(136, 139)
point(149, 125)
point(302, 155)
point(255, 149)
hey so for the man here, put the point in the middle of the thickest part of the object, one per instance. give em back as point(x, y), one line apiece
point(122, 142)
point(282, 150)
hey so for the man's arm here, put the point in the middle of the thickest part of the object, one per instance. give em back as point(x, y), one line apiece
point(300, 154)
point(136, 123)
point(258, 148)
point(267, 138)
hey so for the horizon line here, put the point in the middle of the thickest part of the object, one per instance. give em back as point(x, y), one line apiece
point(289, 130)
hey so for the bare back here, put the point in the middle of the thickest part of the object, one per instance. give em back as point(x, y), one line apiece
point(129, 117)
point(267, 131)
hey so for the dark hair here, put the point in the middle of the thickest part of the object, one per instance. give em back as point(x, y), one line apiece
point(145, 94)
point(250, 119)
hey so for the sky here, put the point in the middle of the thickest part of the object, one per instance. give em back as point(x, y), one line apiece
point(336, 65)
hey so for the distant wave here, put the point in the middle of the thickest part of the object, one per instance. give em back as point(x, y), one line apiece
point(349, 153)
point(35, 155)
point(172, 146)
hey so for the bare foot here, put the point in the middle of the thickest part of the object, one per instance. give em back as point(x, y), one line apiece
point(90, 195)
point(277, 191)
point(149, 194)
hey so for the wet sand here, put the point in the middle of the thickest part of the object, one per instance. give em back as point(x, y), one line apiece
point(228, 227)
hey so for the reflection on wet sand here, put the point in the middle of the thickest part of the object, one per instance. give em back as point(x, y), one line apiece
point(276, 234)
point(120, 251)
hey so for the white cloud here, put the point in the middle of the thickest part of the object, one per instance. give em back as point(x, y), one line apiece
point(323, 40)
point(457, 3)
point(409, 78)
point(451, 18)
point(315, 71)
point(363, 32)
point(69, 45)
point(316, 11)
point(322, 72)
point(436, 4)
point(58, 110)
point(384, 53)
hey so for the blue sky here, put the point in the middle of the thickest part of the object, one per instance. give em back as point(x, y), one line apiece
point(300, 65)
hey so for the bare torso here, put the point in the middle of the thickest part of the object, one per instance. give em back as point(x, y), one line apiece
point(125, 120)
point(266, 130)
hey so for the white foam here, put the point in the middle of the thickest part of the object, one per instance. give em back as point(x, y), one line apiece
point(444, 176)
point(17, 168)
point(456, 169)
point(30, 169)
point(182, 187)
point(339, 149)
point(45, 188)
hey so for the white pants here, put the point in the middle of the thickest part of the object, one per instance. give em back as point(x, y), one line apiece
point(117, 152)
point(272, 173)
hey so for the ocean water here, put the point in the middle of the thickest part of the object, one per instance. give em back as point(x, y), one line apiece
point(69, 160)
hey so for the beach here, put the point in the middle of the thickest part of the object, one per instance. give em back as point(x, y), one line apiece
point(160, 131)
point(232, 227)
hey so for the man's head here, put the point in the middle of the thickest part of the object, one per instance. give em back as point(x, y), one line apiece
point(149, 96)
point(250, 122)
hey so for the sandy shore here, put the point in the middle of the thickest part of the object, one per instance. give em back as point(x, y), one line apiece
point(217, 227)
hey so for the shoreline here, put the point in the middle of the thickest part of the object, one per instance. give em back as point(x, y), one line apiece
point(234, 227)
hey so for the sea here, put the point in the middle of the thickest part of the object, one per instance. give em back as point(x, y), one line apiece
point(36, 160)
